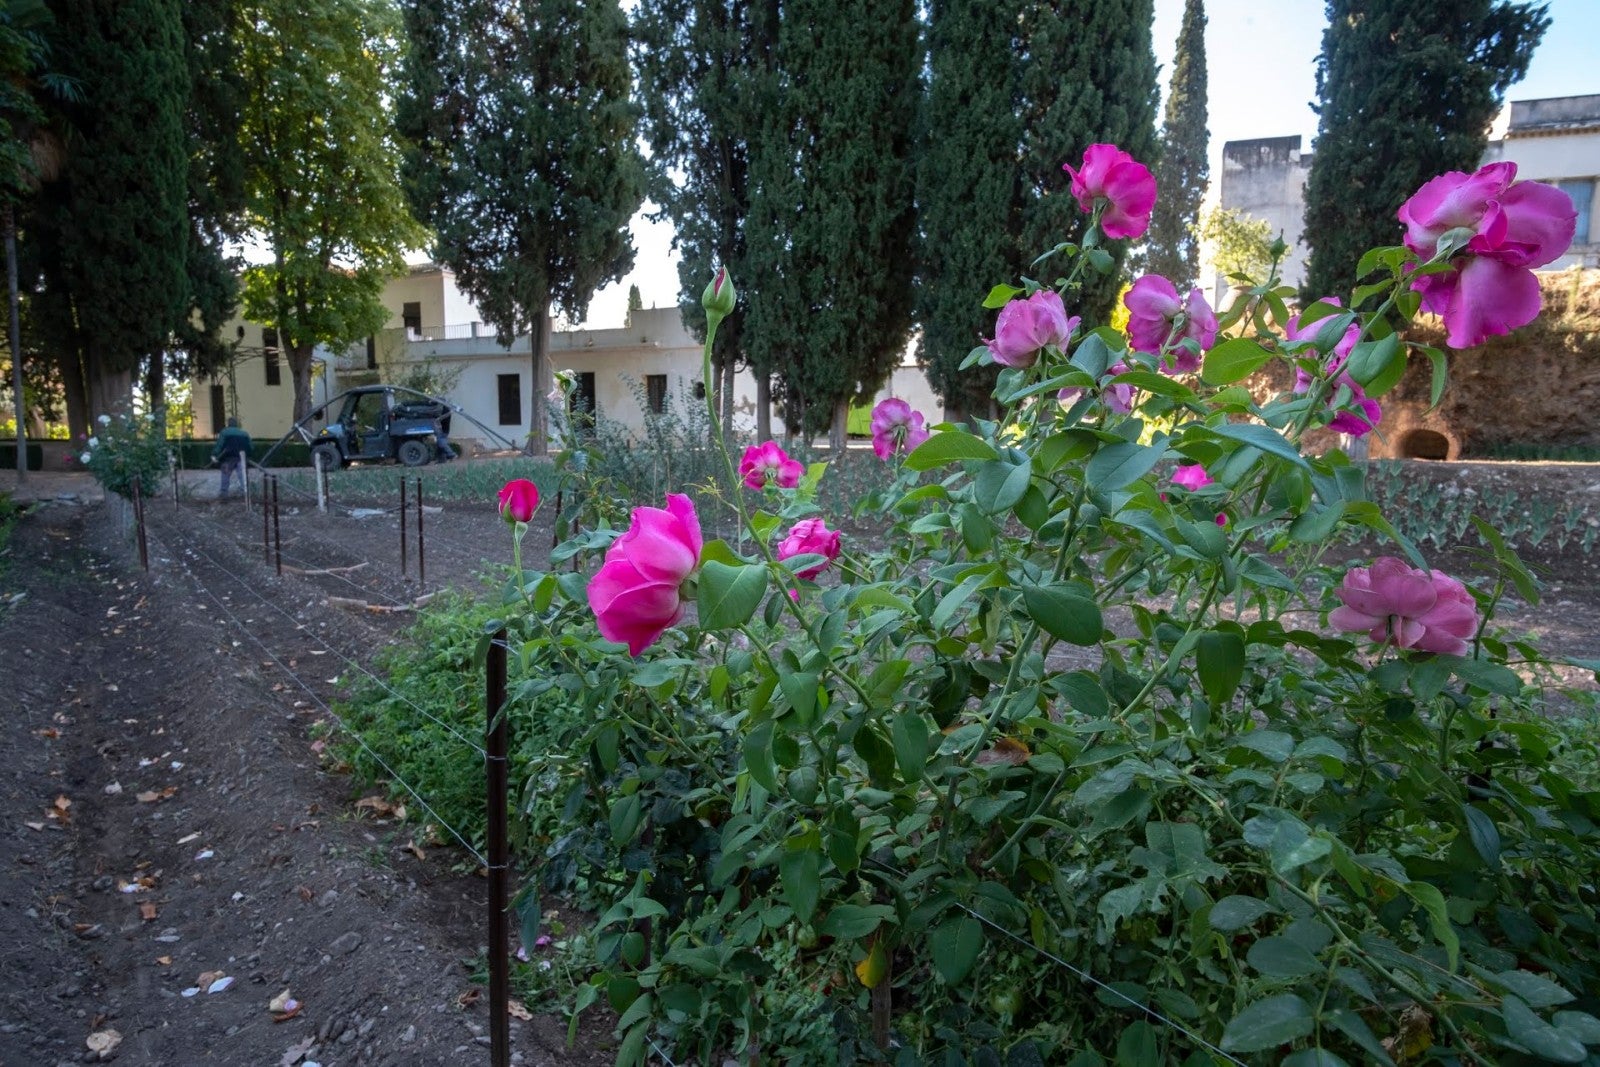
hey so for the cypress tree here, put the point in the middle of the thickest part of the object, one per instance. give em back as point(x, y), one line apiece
point(1089, 77)
point(118, 219)
point(831, 215)
point(520, 157)
point(968, 189)
point(1182, 171)
point(698, 63)
point(1407, 89)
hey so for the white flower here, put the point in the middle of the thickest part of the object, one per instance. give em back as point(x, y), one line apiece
point(84, 459)
point(105, 420)
point(94, 442)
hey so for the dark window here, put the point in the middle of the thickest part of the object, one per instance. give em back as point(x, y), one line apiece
point(583, 405)
point(219, 409)
point(1582, 193)
point(510, 386)
point(372, 353)
point(269, 355)
point(411, 318)
point(655, 392)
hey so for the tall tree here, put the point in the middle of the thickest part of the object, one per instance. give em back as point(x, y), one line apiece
point(320, 172)
point(1089, 77)
point(1407, 89)
point(521, 158)
point(699, 64)
point(969, 189)
point(831, 215)
point(1182, 171)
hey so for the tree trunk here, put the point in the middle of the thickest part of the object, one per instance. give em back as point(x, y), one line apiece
point(110, 392)
point(14, 338)
point(300, 370)
point(155, 383)
point(544, 378)
point(841, 424)
point(763, 407)
point(77, 393)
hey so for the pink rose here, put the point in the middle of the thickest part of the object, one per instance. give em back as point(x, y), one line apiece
point(896, 428)
point(1026, 326)
point(1406, 607)
point(1492, 289)
point(1191, 476)
point(637, 594)
point(811, 537)
point(1118, 398)
point(1363, 413)
point(1158, 321)
point(519, 499)
point(1110, 174)
point(768, 464)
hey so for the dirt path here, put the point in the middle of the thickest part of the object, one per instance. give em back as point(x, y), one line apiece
point(167, 825)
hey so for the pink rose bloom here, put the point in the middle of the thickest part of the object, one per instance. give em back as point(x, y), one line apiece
point(896, 428)
point(1158, 320)
point(1110, 174)
point(811, 537)
point(1492, 289)
point(1363, 413)
point(768, 464)
point(1026, 326)
point(519, 499)
point(1191, 476)
point(1406, 607)
point(636, 595)
point(1118, 398)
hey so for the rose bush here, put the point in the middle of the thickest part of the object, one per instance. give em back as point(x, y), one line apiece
point(1051, 764)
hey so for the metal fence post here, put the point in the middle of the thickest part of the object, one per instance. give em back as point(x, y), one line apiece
point(244, 477)
point(317, 460)
point(402, 526)
point(422, 560)
point(496, 744)
point(138, 519)
point(266, 529)
point(277, 536)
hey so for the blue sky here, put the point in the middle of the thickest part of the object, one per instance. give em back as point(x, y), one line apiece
point(1261, 60)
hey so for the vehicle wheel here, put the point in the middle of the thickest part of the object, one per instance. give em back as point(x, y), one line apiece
point(414, 453)
point(326, 456)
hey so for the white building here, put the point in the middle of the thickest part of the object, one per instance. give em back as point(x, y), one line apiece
point(1555, 141)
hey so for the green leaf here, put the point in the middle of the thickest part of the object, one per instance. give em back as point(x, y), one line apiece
point(1313, 1057)
point(998, 485)
point(1122, 464)
point(800, 875)
point(729, 595)
point(801, 690)
point(1369, 359)
point(1236, 912)
point(1485, 837)
point(1233, 360)
point(1539, 1037)
point(1219, 655)
point(854, 921)
point(955, 944)
point(1265, 438)
point(1279, 957)
point(1534, 989)
point(1000, 296)
point(1432, 902)
point(758, 757)
point(1268, 1024)
point(909, 731)
point(1063, 611)
point(947, 446)
point(1492, 677)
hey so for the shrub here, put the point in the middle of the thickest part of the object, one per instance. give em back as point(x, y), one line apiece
point(124, 447)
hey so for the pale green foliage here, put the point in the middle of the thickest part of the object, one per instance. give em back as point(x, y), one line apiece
point(321, 172)
point(1239, 242)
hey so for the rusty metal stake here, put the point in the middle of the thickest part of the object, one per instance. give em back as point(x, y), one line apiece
point(277, 537)
point(402, 526)
point(244, 478)
point(496, 744)
point(422, 562)
point(266, 515)
point(138, 519)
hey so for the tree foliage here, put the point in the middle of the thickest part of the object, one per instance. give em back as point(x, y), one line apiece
point(320, 172)
point(700, 65)
point(831, 216)
point(1182, 171)
point(968, 188)
point(1239, 242)
point(1089, 77)
point(520, 157)
point(1407, 90)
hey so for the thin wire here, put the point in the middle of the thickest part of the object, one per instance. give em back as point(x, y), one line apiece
point(328, 710)
point(308, 565)
point(1081, 974)
point(353, 664)
point(664, 1057)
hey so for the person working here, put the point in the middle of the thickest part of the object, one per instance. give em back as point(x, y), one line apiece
point(232, 443)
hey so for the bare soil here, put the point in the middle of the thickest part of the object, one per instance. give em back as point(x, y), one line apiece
point(165, 813)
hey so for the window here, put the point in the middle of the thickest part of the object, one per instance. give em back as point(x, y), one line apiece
point(411, 319)
point(372, 353)
point(655, 391)
point(510, 388)
point(219, 409)
point(269, 356)
point(1582, 193)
